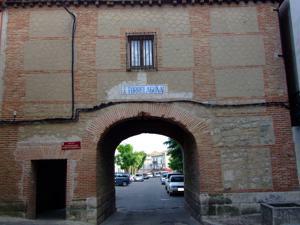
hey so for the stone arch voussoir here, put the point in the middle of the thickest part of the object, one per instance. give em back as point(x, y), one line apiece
point(168, 111)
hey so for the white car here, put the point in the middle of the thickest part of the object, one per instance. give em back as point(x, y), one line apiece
point(156, 174)
point(175, 184)
point(168, 177)
point(163, 178)
point(139, 177)
point(150, 175)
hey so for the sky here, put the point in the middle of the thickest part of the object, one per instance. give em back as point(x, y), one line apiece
point(147, 142)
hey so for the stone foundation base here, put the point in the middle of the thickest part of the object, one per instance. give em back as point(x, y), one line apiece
point(95, 210)
point(106, 206)
point(15, 209)
point(233, 204)
point(193, 204)
point(83, 210)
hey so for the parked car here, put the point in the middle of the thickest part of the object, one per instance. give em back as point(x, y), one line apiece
point(156, 174)
point(122, 179)
point(146, 176)
point(139, 177)
point(131, 177)
point(150, 175)
point(163, 178)
point(168, 177)
point(175, 184)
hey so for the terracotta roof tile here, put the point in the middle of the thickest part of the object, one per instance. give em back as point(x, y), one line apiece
point(31, 3)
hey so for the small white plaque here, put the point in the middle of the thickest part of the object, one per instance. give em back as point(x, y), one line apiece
point(144, 89)
point(180, 189)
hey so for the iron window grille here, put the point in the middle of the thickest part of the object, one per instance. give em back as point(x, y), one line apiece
point(141, 51)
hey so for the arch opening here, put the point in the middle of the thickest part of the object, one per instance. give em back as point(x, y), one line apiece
point(119, 131)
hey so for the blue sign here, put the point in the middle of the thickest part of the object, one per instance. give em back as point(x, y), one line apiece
point(144, 89)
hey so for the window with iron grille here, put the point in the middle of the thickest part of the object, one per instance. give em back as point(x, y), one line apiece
point(141, 53)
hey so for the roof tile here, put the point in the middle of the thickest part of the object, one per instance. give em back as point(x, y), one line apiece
point(24, 3)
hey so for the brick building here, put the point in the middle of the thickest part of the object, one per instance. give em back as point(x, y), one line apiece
point(204, 72)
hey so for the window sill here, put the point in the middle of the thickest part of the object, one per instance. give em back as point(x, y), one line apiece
point(141, 69)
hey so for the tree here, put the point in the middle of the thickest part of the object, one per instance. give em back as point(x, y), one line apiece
point(140, 158)
point(125, 158)
point(175, 153)
point(129, 160)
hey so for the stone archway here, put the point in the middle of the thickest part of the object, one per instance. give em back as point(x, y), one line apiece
point(119, 122)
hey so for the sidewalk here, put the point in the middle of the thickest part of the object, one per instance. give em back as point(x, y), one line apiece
point(254, 219)
point(239, 220)
point(5, 220)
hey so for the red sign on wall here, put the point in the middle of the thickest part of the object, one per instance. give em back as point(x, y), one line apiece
point(71, 145)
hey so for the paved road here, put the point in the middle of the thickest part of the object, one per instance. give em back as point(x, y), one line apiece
point(147, 203)
point(147, 195)
point(140, 203)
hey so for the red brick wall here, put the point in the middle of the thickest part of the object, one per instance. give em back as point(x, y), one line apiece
point(86, 75)
point(82, 177)
point(10, 170)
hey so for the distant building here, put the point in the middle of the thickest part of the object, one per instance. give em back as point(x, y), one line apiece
point(160, 160)
point(147, 164)
point(156, 161)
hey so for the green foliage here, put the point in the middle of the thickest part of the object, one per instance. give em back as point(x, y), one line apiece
point(129, 160)
point(125, 158)
point(175, 153)
point(140, 158)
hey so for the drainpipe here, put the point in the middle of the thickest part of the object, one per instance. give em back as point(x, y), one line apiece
point(72, 60)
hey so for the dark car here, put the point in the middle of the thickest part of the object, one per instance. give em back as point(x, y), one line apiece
point(122, 179)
